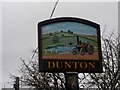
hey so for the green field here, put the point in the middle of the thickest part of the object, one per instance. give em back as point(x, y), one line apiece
point(65, 39)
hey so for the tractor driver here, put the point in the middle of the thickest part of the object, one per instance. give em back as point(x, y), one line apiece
point(79, 45)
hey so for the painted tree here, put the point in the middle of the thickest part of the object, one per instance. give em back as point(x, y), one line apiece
point(55, 38)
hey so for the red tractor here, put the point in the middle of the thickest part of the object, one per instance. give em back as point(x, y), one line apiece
point(82, 48)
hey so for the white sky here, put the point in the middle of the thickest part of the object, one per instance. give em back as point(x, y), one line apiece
point(19, 26)
point(60, 0)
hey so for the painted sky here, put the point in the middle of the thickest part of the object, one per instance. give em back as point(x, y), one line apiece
point(72, 26)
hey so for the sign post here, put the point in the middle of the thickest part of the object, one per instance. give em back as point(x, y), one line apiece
point(69, 44)
point(16, 85)
point(72, 81)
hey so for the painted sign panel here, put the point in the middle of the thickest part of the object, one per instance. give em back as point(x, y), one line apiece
point(69, 44)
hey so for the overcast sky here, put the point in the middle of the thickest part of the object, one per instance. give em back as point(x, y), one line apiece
point(19, 35)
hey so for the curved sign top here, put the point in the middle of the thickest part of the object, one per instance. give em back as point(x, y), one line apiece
point(69, 44)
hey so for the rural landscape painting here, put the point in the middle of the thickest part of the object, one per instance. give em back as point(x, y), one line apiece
point(69, 41)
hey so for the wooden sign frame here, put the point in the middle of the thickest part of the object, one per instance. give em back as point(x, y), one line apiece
point(51, 37)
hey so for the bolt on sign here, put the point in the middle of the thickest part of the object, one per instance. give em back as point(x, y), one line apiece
point(69, 44)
